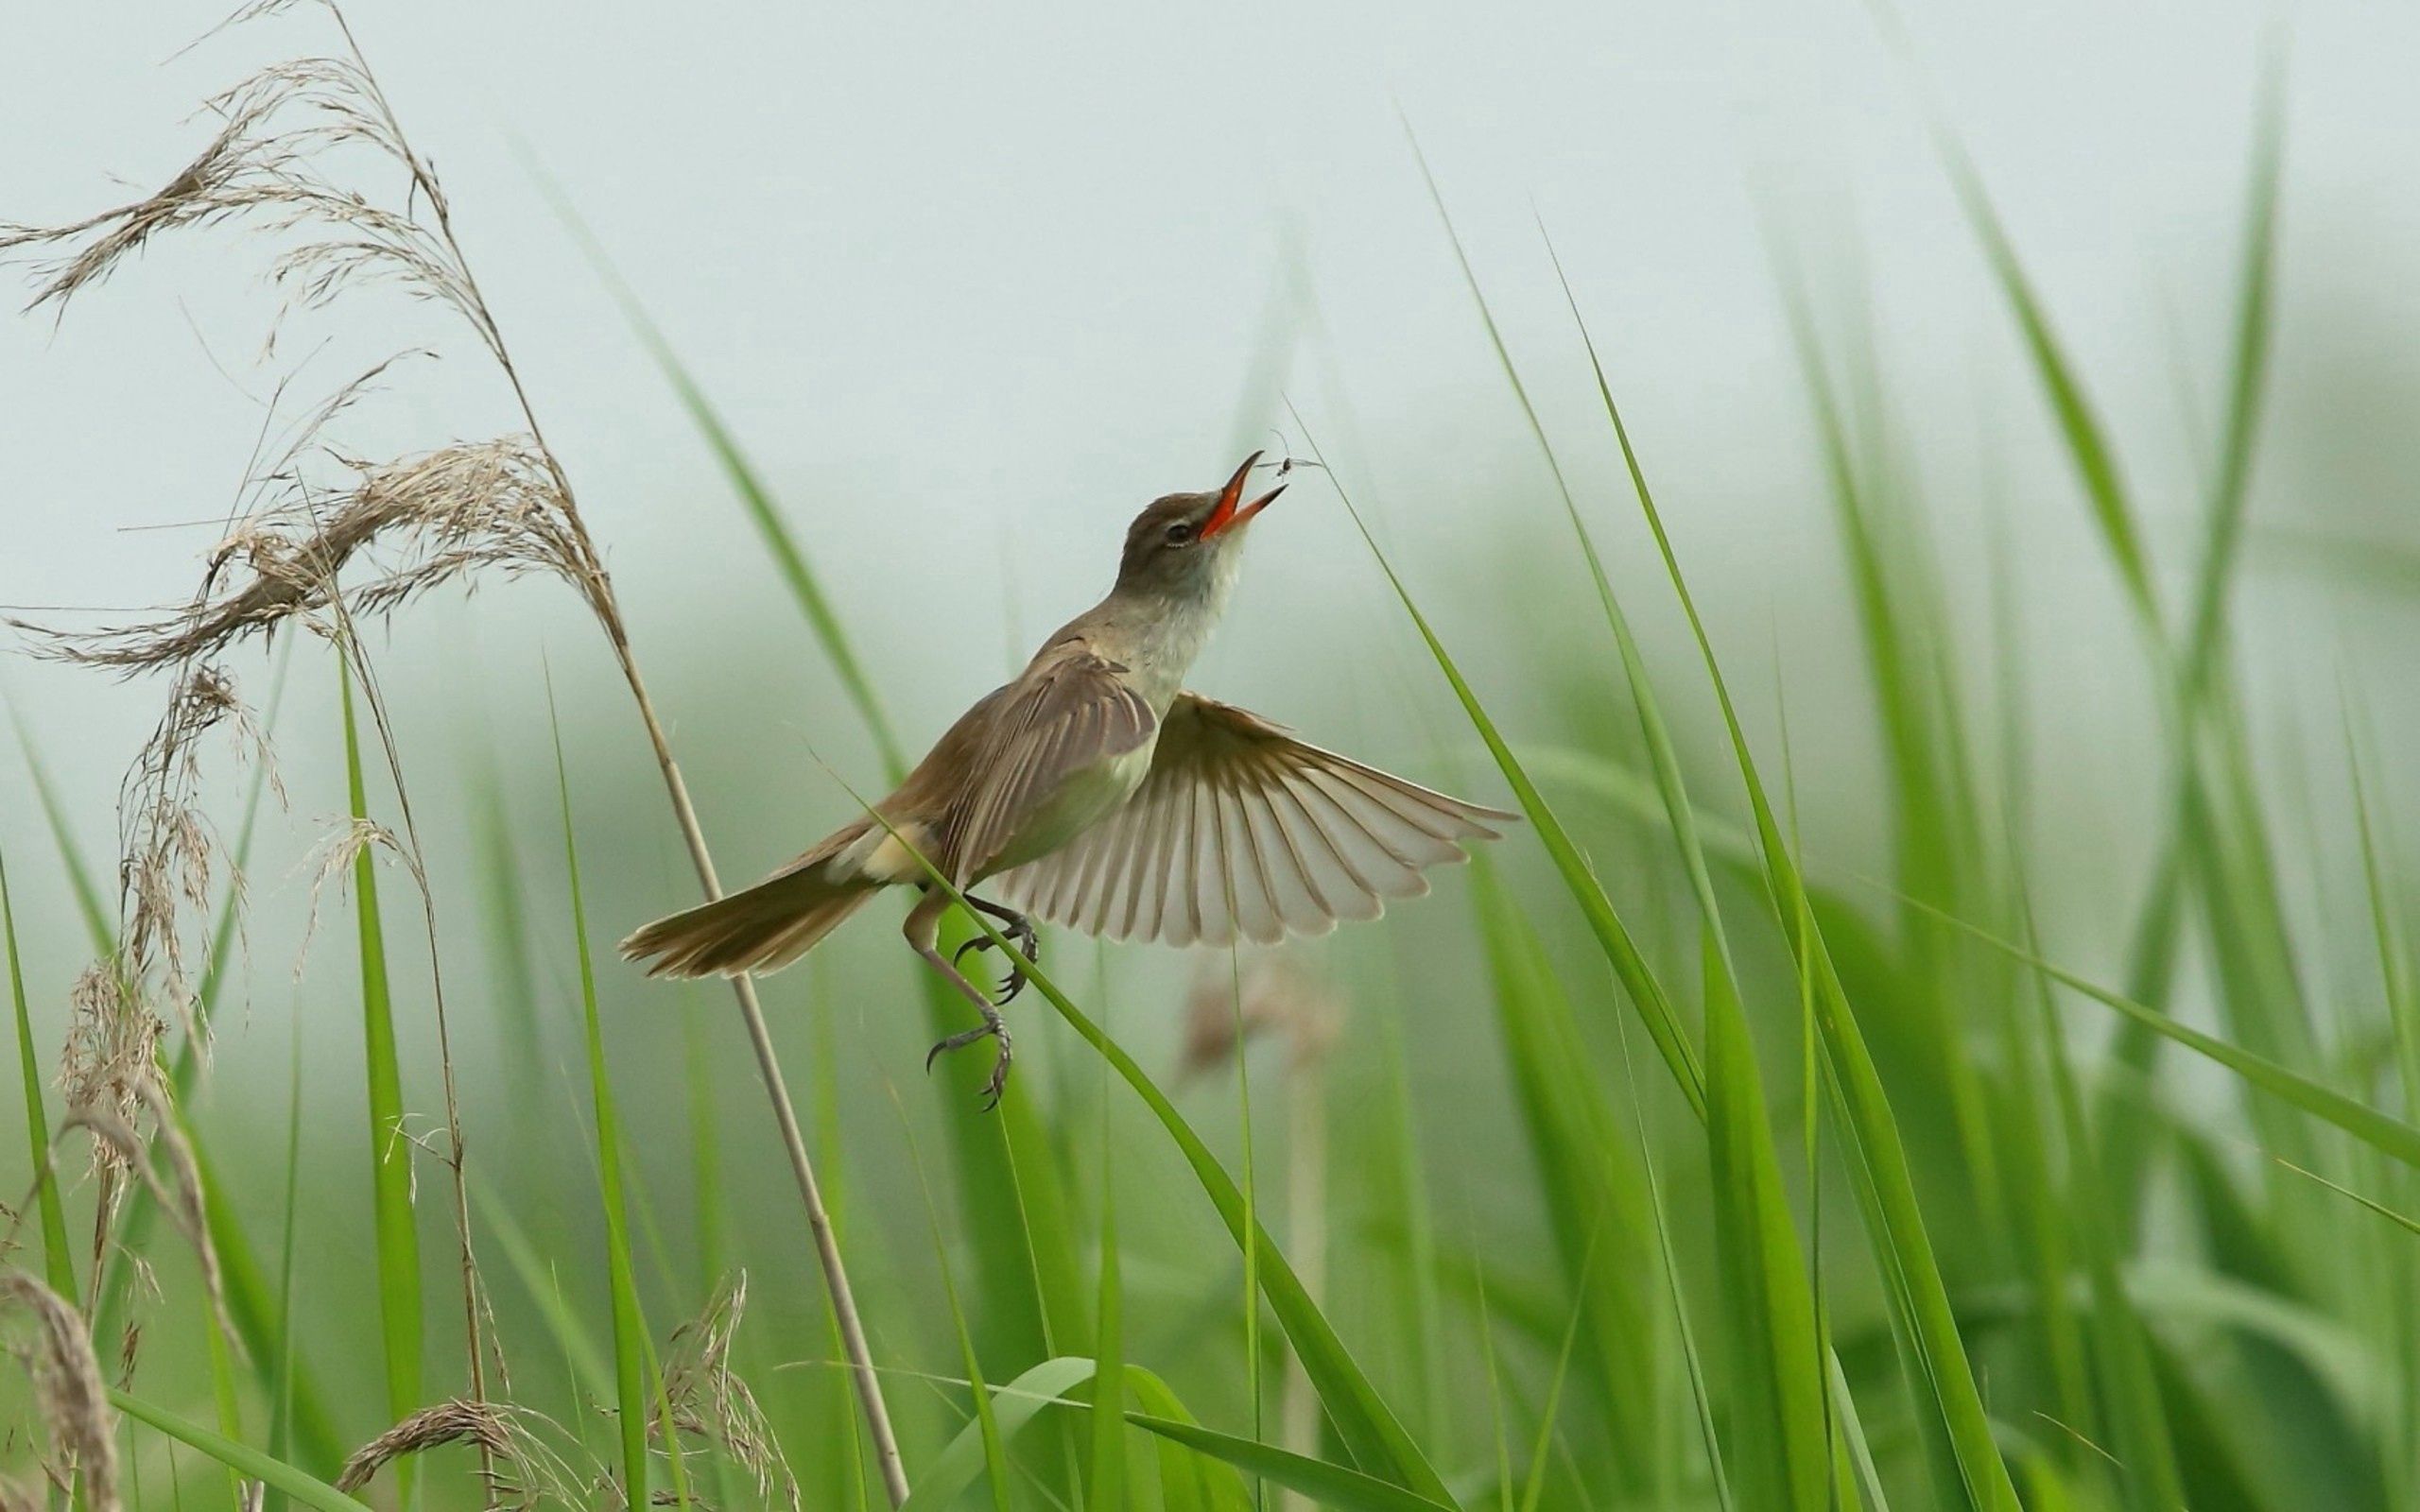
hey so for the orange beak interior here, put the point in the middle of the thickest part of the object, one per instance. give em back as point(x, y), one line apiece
point(1227, 515)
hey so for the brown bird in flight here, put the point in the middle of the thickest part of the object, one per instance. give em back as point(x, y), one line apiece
point(1102, 796)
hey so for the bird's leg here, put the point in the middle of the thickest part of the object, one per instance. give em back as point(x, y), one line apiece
point(923, 929)
point(1018, 930)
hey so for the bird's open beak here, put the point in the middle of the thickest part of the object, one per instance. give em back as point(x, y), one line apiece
point(1227, 515)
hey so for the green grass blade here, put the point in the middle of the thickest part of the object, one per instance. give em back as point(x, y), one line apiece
point(242, 1458)
point(2382, 1132)
point(990, 1438)
point(390, 1148)
point(1899, 1236)
point(280, 1381)
point(1108, 1479)
point(1780, 1445)
point(58, 1263)
point(591, 1372)
point(1368, 1428)
point(2080, 427)
point(754, 497)
point(1668, 1268)
point(2129, 1382)
point(630, 1344)
point(1495, 1379)
point(99, 924)
point(2247, 376)
point(1328, 1484)
point(1001, 1415)
point(1629, 966)
point(1533, 1485)
point(1055, 1382)
point(1593, 1195)
point(503, 912)
point(1250, 1305)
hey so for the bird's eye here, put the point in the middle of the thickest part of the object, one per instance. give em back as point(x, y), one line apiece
point(1180, 534)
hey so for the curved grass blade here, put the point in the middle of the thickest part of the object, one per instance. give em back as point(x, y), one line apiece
point(771, 529)
point(1108, 1484)
point(631, 1373)
point(1898, 1233)
point(390, 1148)
point(1779, 1442)
point(1328, 1484)
point(1000, 1416)
point(242, 1458)
point(1594, 1197)
point(1670, 1268)
point(1646, 995)
point(2388, 1135)
point(58, 1263)
point(1053, 1382)
point(90, 905)
point(281, 1382)
point(2129, 1383)
point(2087, 441)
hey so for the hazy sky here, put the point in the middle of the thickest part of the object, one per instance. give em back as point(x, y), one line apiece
point(971, 282)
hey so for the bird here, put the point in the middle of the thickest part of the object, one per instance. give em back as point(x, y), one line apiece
point(1096, 792)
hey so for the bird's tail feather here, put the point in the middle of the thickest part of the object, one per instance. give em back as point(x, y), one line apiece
point(763, 928)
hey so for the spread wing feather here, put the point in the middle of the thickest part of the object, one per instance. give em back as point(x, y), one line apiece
point(1043, 729)
point(1240, 831)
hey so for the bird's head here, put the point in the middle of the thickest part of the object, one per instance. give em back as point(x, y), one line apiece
point(1186, 545)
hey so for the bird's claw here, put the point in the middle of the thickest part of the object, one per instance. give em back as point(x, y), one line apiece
point(992, 1027)
point(1020, 932)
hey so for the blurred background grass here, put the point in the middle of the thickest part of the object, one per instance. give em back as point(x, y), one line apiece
point(967, 291)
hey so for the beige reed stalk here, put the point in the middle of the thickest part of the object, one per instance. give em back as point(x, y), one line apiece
point(608, 607)
point(463, 496)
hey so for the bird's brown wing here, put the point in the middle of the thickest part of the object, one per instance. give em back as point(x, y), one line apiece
point(1027, 739)
point(1240, 830)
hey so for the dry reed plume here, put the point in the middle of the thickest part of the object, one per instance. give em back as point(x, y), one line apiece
point(322, 536)
point(519, 1470)
point(72, 1396)
point(709, 1400)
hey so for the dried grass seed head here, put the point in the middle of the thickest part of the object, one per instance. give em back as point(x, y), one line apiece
point(57, 1355)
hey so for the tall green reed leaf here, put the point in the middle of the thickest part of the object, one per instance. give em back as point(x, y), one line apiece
point(2389, 1136)
point(306, 1489)
point(400, 1307)
point(90, 905)
point(773, 531)
point(1646, 995)
point(2087, 442)
point(1668, 1268)
point(1056, 1383)
point(2129, 1383)
point(996, 1469)
point(1899, 1236)
point(633, 1401)
point(280, 1381)
point(1107, 1484)
point(1780, 1445)
point(58, 1263)
point(1595, 1199)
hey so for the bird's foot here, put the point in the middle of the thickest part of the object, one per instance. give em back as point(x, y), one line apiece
point(1019, 931)
point(992, 1027)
